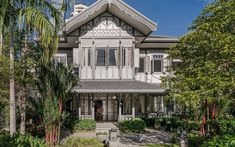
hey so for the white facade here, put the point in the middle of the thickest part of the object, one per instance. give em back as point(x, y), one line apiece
point(110, 41)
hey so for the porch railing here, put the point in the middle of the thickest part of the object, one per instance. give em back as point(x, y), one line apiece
point(86, 117)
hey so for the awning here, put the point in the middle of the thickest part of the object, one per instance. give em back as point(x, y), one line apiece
point(118, 86)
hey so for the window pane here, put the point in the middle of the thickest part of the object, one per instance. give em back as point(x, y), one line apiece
point(100, 57)
point(61, 60)
point(141, 69)
point(89, 57)
point(157, 65)
point(123, 57)
point(112, 57)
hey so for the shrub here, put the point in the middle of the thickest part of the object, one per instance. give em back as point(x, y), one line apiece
point(70, 122)
point(195, 140)
point(150, 122)
point(220, 141)
point(85, 125)
point(174, 123)
point(28, 140)
point(82, 142)
point(136, 125)
point(19, 140)
point(5, 139)
point(169, 123)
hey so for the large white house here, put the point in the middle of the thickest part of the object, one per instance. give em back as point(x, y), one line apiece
point(118, 61)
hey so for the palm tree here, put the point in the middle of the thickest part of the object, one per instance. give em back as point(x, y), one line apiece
point(54, 83)
point(34, 14)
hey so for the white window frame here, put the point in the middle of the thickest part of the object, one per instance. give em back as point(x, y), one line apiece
point(61, 55)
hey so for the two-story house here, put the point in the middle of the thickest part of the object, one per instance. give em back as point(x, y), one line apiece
point(118, 61)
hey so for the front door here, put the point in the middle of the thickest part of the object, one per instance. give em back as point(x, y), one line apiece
point(98, 110)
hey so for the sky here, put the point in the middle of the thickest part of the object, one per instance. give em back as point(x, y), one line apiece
point(173, 17)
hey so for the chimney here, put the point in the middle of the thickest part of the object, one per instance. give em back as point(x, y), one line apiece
point(78, 8)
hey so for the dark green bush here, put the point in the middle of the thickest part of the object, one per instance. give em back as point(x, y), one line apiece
point(220, 141)
point(85, 125)
point(82, 142)
point(195, 140)
point(174, 123)
point(18, 140)
point(5, 139)
point(169, 123)
point(70, 122)
point(136, 125)
point(150, 122)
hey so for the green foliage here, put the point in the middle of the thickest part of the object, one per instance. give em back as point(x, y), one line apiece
point(220, 141)
point(208, 64)
point(18, 140)
point(223, 126)
point(195, 140)
point(162, 145)
point(150, 122)
point(135, 125)
point(69, 122)
point(85, 125)
point(82, 142)
point(174, 123)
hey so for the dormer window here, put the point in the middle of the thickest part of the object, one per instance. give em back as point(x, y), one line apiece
point(60, 58)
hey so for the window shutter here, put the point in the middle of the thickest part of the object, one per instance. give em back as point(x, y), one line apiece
point(147, 64)
point(164, 64)
point(80, 57)
point(76, 56)
point(129, 56)
point(152, 66)
point(136, 57)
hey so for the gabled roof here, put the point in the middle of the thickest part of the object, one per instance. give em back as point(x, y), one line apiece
point(117, 86)
point(117, 8)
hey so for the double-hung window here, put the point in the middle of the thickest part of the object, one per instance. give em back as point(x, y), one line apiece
point(87, 56)
point(142, 64)
point(157, 63)
point(113, 57)
point(60, 58)
point(101, 56)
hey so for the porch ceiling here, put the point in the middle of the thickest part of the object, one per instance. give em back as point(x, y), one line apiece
point(117, 86)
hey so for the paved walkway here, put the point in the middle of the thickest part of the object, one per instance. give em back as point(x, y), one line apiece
point(106, 125)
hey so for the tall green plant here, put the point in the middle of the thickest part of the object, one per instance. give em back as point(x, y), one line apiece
point(54, 83)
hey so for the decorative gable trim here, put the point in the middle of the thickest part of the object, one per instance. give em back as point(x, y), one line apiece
point(116, 7)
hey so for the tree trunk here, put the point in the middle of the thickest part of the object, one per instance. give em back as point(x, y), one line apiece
point(12, 85)
point(22, 107)
point(1, 41)
point(22, 99)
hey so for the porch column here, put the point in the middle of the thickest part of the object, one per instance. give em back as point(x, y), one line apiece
point(145, 106)
point(79, 106)
point(119, 108)
point(133, 105)
point(93, 108)
point(162, 104)
point(155, 103)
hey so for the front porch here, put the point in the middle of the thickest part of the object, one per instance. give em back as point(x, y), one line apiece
point(118, 100)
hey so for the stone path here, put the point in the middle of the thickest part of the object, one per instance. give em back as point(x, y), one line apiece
point(150, 137)
point(129, 140)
